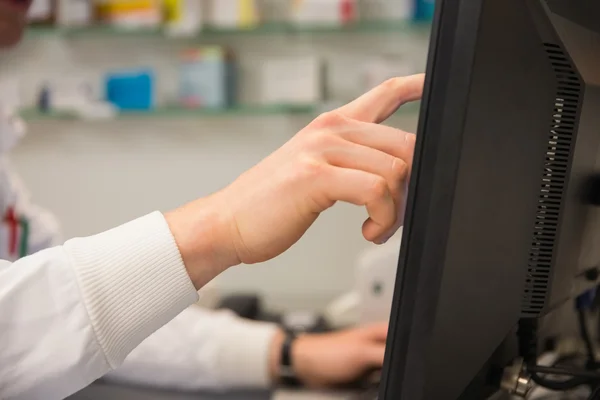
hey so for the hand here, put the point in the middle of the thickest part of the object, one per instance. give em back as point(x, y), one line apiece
point(343, 155)
point(336, 358)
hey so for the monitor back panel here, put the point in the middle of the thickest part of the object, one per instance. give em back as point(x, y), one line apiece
point(479, 176)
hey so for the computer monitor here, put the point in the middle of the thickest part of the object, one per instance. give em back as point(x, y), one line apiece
point(498, 224)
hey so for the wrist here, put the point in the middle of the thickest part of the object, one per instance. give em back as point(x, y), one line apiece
point(201, 234)
point(275, 355)
point(302, 360)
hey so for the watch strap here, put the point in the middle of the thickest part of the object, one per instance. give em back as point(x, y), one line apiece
point(287, 374)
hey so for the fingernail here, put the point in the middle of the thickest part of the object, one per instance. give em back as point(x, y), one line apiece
point(410, 138)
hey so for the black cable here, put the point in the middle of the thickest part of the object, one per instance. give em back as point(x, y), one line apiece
point(527, 335)
point(595, 394)
point(579, 373)
point(567, 360)
point(561, 386)
point(578, 377)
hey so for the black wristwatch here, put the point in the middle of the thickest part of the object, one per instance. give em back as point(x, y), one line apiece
point(287, 375)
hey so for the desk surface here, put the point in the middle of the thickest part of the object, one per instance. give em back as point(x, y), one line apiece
point(104, 391)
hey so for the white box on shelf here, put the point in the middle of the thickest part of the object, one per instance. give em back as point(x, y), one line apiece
point(379, 69)
point(232, 13)
point(328, 12)
point(274, 10)
point(137, 20)
point(293, 80)
point(40, 10)
point(378, 10)
point(74, 12)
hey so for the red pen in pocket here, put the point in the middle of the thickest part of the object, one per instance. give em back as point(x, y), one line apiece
point(10, 219)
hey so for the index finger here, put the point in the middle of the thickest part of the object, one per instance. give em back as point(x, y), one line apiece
point(381, 102)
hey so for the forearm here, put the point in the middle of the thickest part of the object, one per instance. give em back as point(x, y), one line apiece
point(70, 314)
point(202, 350)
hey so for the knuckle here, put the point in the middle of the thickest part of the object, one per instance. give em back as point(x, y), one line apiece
point(378, 188)
point(320, 139)
point(310, 167)
point(317, 139)
point(399, 169)
point(329, 118)
point(394, 84)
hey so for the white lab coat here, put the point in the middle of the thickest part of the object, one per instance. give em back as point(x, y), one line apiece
point(74, 313)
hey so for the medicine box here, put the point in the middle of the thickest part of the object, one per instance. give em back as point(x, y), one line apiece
point(424, 10)
point(297, 80)
point(235, 14)
point(130, 13)
point(324, 12)
point(207, 78)
point(183, 17)
point(387, 10)
point(131, 90)
point(75, 12)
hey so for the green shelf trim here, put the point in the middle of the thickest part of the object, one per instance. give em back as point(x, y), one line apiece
point(32, 114)
point(272, 28)
point(180, 112)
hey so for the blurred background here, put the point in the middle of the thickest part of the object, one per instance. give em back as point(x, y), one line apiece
point(138, 105)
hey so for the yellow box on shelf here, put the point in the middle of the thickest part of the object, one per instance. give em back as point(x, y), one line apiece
point(183, 17)
point(173, 10)
point(124, 6)
point(133, 13)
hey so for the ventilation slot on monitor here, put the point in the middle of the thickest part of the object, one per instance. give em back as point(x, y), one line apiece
point(558, 156)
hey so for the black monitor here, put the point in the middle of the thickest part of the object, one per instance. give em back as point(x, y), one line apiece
point(499, 224)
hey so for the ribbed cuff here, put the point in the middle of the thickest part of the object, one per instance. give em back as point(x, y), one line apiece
point(133, 281)
point(244, 356)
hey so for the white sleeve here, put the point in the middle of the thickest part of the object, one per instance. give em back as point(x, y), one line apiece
point(71, 313)
point(201, 349)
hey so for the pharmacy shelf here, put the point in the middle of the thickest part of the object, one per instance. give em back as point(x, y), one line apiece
point(174, 112)
point(181, 112)
point(365, 27)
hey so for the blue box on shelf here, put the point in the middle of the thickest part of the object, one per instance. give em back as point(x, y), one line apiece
point(131, 90)
point(424, 10)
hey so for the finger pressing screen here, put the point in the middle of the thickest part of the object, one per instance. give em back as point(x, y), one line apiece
point(380, 103)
